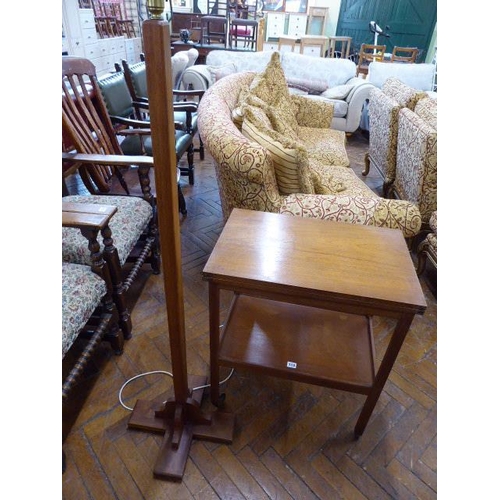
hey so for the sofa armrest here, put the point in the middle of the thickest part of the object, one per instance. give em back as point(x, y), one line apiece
point(356, 100)
point(196, 77)
point(379, 212)
point(314, 113)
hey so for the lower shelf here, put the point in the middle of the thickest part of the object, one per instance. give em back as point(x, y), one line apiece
point(301, 343)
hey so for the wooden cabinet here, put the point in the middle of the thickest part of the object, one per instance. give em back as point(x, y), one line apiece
point(275, 24)
point(80, 38)
point(297, 24)
point(186, 20)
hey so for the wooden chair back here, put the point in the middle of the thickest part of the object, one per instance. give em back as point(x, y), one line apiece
point(367, 54)
point(86, 122)
point(404, 54)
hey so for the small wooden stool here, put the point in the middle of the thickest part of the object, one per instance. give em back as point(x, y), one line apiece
point(309, 42)
point(287, 41)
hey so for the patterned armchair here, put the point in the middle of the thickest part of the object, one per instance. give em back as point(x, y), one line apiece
point(416, 159)
point(88, 310)
point(428, 247)
point(385, 104)
point(246, 173)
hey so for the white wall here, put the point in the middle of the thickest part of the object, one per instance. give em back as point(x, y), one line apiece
point(333, 14)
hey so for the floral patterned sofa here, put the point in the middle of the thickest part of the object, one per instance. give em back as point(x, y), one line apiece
point(247, 170)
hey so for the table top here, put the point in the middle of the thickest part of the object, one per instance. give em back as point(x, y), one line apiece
point(356, 265)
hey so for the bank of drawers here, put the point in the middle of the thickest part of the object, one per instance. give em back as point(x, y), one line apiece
point(275, 24)
point(297, 24)
point(281, 23)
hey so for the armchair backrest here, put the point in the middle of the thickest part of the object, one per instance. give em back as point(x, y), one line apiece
point(86, 121)
point(116, 95)
point(420, 76)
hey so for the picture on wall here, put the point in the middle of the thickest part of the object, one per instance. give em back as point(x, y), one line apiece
point(296, 6)
point(274, 5)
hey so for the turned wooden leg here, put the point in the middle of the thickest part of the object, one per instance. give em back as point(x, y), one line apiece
point(367, 164)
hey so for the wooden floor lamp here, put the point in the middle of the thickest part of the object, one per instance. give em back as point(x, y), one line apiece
point(180, 419)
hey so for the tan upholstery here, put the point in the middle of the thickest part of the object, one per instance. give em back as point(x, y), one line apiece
point(385, 104)
point(428, 247)
point(246, 175)
point(416, 160)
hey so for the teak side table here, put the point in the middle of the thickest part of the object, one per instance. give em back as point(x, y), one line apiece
point(304, 293)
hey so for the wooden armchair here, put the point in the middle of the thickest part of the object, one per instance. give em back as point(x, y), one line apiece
point(98, 158)
point(88, 311)
point(404, 54)
point(367, 54)
point(185, 104)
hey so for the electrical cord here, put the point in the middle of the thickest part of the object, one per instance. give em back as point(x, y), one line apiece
point(163, 373)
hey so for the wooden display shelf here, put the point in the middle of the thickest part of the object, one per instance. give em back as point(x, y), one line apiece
point(301, 343)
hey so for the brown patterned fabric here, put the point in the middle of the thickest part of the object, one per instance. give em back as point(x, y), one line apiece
point(246, 176)
point(271, 87)
point(427, 110)
point(313, 113)
point(416, 167)
point(404, 95)
point(384, 112)
point(324, 144)
point(433, 222)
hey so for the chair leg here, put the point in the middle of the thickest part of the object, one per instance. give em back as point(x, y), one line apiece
point(190, 156)
point(367, 164)
point(201, 149)
point(182, 201)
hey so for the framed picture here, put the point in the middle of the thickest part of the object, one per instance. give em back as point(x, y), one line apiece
point(274, 5)
point(296, 6)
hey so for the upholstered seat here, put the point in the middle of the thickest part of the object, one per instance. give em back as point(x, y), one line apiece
point(385, 104)
point(127, 226)
point(82, 292)
point(89, 314)
point(416, 158)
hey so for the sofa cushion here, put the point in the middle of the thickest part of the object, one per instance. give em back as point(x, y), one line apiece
point(290, 160)
point(308, 85)
point(218, 72)
point(244, 61)
point(324, 179)
point(270, 86)
point(325, 145)
point(334, 71)
point(338, 92)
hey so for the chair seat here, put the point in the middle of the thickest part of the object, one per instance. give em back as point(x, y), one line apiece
point(127, 225)
point(180, 116)
point(82, 292)
point(132, 144)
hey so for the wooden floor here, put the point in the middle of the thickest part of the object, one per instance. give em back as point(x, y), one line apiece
point(292, 440)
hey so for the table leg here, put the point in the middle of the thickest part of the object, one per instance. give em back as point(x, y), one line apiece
point(214, 312)
point(383, 372)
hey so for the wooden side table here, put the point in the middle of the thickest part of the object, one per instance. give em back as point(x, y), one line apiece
point(304, 293)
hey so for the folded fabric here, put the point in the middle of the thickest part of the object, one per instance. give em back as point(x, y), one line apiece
point(311, 86)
